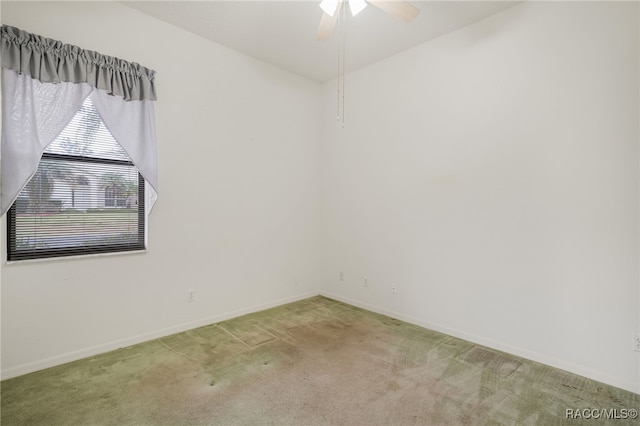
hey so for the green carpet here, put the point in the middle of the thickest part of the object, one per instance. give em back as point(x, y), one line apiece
point(313, 362)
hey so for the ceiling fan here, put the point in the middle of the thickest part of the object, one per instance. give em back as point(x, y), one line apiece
point(331, 11)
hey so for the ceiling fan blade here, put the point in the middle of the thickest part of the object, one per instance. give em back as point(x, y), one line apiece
point(325, 28)
point(398, 8)
point(327, 23)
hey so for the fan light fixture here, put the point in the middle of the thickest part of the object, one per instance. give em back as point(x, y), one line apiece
point(357, 6)
point(330, 6)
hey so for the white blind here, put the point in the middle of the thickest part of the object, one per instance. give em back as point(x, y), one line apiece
point(85, 197)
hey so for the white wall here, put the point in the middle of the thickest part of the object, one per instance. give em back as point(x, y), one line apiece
point(237, 215)
point(493, 175)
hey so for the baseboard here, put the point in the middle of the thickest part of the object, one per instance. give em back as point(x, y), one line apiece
point(117, 344)
point(140, 338)
point(627, 385)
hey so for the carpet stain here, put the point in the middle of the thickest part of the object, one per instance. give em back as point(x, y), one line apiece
point(497, 362)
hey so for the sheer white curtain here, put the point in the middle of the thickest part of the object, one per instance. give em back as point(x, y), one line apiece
point(132, 124)
point(41, 92)
point(34, 113)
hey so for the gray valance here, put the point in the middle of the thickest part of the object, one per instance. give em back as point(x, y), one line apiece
point(51, 61)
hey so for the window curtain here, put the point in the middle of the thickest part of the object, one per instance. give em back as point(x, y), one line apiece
point(44, 82)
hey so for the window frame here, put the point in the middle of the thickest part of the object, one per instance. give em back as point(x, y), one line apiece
point(14, 254)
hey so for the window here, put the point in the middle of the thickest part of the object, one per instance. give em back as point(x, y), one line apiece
point(79, 170)
point(86, 197)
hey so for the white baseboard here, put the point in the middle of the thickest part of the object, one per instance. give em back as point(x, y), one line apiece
point(140, 338)
point(628, 385)
point(31, 367)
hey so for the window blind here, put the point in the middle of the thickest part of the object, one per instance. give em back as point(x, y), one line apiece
point(85, 197)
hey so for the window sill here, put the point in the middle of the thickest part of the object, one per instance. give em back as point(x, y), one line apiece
point(78, 257)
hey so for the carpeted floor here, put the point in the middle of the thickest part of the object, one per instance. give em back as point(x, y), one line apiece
point(313, 362)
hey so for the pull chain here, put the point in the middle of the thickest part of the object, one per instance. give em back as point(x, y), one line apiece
point(341, 62)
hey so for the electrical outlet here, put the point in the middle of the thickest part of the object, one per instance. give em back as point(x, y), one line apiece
point(191, 295)
point(636, 342)
point(365, 282)
point(341, 276)
point(394, 288)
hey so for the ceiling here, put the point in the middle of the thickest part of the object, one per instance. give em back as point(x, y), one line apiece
point(282, 33)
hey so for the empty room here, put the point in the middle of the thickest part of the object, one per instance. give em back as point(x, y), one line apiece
point(320, 212)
